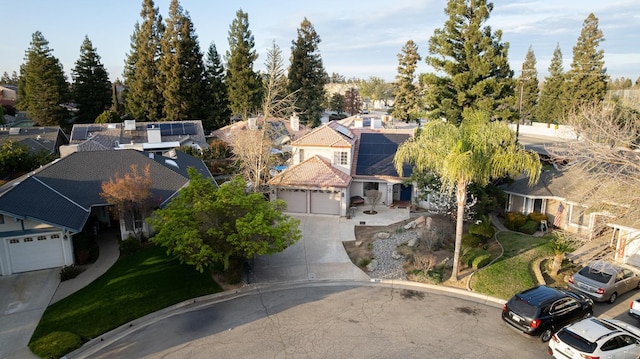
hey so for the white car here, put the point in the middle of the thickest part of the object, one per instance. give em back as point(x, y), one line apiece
point(595, 338)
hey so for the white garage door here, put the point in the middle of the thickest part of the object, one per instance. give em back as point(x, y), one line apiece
point(296, 200)
point(325, 202)
point(36, 252)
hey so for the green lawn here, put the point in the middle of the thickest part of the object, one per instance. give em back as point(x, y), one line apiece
point(136, 285)
point(512, 272)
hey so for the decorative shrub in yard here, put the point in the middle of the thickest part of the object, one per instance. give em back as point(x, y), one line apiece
point(129, 246)
point(514, 220)
point(538, 217)
point(56, 344)
point(530, 227)
point(481, 261)
point(69, 272)
point(470, 241)
point(483, 229)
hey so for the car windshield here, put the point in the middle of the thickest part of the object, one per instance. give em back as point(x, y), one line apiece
point(522, 307)
point(577, 342)
point(595, 274)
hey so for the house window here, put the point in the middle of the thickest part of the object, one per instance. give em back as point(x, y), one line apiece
point(1, 219)
point(577, 215)
point(340, 158)
point(14, 241)
point(301, 155)
point(55, 236)
point(42, 238)
point(28, 239)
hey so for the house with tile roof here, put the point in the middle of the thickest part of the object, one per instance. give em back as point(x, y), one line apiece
point(282, 131)
point(41, 211)
point(157, 137)
point(333, 162)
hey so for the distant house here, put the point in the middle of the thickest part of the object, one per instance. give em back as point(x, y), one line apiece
point(42, 211)
point(48, 139)
point(157, 137)
point(282, 131)
point(336, 161)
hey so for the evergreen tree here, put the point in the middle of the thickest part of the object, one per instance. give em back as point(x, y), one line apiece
point(277, 101)
point(307, 76)
point(42, 87)
point(9, 80)
point(243, 84)
point(475, 64)
point(117, 103)
point(143, 97)
point(552, 102)
point(91, 87)
point(216, 97)
point(528, 90)
point(336, 103)
point(587, 75)
point(181, 67)
point(405, 105)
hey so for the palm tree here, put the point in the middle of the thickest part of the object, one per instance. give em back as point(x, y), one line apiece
point(475, 152)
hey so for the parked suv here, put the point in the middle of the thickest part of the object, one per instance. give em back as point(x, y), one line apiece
point(604, 281)
point(596, 338)
point(541, 311)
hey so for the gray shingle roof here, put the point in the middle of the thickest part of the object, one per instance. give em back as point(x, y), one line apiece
point(63, 192)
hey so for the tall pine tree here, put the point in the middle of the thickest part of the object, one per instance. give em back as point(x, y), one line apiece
point(42, 87)
point(528, 90)
point(552, 102)
point(243, 83)
point(91, 87)
point(143, 95)
point(307, 76)
point(216, 98)
point(475, 64)
point(181, 67)
point(405, 104)
point(587, 76)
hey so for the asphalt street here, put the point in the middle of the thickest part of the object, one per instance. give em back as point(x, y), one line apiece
point(329, 320)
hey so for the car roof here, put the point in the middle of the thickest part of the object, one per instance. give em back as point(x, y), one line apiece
point(594, 329)
point(541, 295)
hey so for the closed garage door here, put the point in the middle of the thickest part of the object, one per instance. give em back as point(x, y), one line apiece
point(325, 202)
point(296, 200)
point(36, 252)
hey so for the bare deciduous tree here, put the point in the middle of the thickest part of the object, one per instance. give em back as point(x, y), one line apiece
point(607, 159)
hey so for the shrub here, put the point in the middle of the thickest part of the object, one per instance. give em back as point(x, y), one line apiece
point(469, 255)
point(56, 344)
point(514, 220)
point(483, 229)
point(538, 217)
point(470, 241)
point(129, 246)
point(481, 261)
point(530, 227)
point(69, 272)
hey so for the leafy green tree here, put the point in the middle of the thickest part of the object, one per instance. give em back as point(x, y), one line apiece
point(307, 76)
point(216, 98)
point(15, 157)
point(587, 76)
point(42, 87)
point(9, 80)
point(204, 225)
point(91, 87)
point(552, 102)
point(243, 83)
point(528, 90)
point(181, 67)
point(474, 63)
point(336, 103)
point(143, 95)
point(406, 105)
point(475, 152)
point(277, 101)
point(107, 116)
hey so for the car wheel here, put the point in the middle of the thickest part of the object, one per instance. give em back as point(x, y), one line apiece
point(546, 335)
point(613, 297)
point(587, 315)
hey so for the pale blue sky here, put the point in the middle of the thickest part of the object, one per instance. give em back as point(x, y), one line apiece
point(360, 38)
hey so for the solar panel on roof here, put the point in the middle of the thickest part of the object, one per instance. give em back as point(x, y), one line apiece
point(343, 130)
point(165, 129)
point(189, 129)
point(79, 133)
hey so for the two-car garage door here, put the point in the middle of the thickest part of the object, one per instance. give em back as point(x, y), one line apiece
point(35, 252)
point(311, 201)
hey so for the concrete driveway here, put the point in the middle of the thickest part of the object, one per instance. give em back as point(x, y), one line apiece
point(23, 299)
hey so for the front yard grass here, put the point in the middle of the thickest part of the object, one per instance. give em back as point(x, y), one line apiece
point(136, 285)
point(512, 273)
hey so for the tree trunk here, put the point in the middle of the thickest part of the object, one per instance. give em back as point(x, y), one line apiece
point(461, 197)
point(556, 264)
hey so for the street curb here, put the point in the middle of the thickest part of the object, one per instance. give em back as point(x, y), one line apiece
point(96, 344)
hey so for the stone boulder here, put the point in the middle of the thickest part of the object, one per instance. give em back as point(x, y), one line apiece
point(383, 235)
point(372, 265)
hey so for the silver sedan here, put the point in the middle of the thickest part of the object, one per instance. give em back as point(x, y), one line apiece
point(603, 281)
